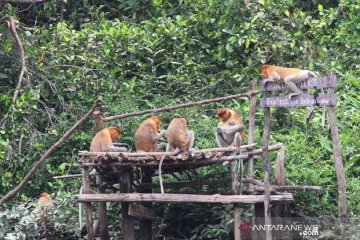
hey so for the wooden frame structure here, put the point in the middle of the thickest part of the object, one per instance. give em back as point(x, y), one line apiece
point(304, 100)
point(117, 168)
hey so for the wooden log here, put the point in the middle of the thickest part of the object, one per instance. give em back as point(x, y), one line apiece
point(98, 123)
point(140, 161)
point(86, 190)
point(102, 211)
point(251, 134)
point(169, 108)
point(289, 188)
point(339, 167)
point(266, 160)
point(160, 154)
point(236, 189)
point(158, 197)
point(251, 137)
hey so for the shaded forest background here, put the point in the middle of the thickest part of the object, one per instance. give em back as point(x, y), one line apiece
point(140, 54)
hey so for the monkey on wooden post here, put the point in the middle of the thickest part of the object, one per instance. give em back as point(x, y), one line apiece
point(179, 137)
point(289, 76)
point(147, 136)
point(103, 141)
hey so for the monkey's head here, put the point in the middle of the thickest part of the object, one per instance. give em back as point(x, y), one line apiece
point(44, 195)
point(263, 70)
point(114, 132)
point(157, 121)
point(223, 114)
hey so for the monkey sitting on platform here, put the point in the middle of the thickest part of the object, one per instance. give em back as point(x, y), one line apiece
point(179, 137)
point(230, 130)
point(103, 141)
point(147, 136)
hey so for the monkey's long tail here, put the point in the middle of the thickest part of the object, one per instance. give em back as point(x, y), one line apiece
point(160, 175)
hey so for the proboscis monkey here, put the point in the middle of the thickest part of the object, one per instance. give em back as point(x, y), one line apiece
point(147, 136)
point(103, 141)
point(230, 130)
point(179, 137)
point(44, 202)
point(289, 76)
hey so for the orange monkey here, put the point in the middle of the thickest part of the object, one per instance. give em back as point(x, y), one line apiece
point(44, 202)
point(179, 137)
point(103, 141)
point(289, 76)
point(230, 130)
point(147, 136)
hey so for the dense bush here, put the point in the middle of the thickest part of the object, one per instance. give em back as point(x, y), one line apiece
point(146, 54)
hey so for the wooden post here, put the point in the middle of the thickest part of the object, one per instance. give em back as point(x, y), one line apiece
point(145, 224)
point(102, 211)
point(280, 211)
point(251, 137)
point(266, 160)
point(128, 221)
point(86, 187)
point(98, 122)
point(236, 191)
point(342, 202)
point(251, 134)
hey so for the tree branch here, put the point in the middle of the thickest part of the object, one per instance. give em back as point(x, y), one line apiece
point(23, 1)
point(20, 49)
point(52, 149)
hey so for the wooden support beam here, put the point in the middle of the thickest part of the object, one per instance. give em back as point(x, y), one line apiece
point(86, 191)
point(102, 211)
point(127, 221)
point(251, 139)
point(289, 188)
point(339, 167)
point(185, 105)
point(145, 224)
point(158, 197)
point(266, 161)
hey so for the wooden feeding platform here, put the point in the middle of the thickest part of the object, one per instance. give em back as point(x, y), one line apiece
point(138, 169)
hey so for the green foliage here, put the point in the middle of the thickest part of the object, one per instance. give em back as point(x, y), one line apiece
point(22, 221)
point(146, 54)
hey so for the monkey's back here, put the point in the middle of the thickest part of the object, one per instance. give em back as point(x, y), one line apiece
point(282, 71)
point(144, 136)
point(176, 134)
